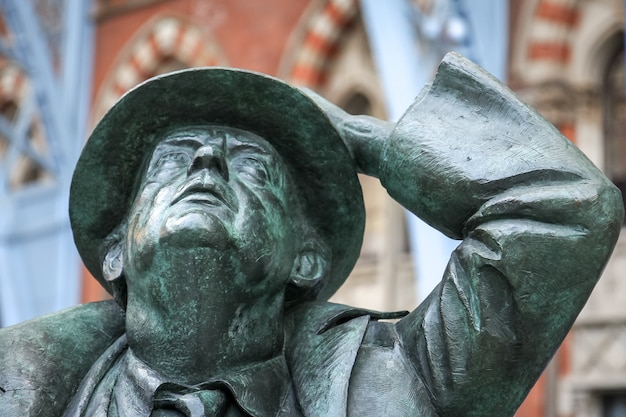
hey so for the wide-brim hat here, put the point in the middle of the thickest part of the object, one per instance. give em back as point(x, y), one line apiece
point(105, 178)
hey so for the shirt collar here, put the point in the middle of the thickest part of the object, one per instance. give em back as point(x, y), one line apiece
point(261, 389)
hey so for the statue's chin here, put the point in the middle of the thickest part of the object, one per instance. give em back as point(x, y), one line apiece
point(195, 229)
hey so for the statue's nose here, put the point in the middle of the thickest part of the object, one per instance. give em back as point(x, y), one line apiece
point(211, 158)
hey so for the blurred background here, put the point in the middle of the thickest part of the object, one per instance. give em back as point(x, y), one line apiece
point(63, 63)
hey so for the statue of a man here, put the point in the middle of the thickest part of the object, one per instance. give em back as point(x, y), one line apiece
point(221, 208)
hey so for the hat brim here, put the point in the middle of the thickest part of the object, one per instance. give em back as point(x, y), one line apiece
point(105, 176)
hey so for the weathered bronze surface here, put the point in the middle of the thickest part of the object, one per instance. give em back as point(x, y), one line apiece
point(221, 208)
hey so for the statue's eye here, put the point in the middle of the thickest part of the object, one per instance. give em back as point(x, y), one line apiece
point(171, 160)
point(252, 169)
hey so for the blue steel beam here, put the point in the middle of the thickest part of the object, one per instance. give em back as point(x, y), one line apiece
point(7, 51)
point(34, 224)
point(18, 139)
point(31, 50)
point(77, 55)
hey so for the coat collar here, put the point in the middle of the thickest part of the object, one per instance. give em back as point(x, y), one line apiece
point(261, 389)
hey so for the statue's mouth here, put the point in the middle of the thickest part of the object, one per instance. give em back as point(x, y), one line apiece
point(197, 191)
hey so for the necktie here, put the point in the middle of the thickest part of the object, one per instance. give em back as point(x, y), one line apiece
point(204, 403)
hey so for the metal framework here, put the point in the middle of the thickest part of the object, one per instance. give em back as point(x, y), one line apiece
point(45, 59)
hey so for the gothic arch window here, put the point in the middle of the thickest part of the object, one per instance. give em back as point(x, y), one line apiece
point(614, 116)
point(358, 103)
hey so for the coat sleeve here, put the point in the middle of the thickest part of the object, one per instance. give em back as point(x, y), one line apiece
point(537, 223)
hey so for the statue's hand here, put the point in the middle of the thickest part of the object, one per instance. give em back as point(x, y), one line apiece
point(365, 136)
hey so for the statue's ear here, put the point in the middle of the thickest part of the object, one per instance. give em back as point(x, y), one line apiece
point(113, 264)
point(113, 272)
point(310, 266)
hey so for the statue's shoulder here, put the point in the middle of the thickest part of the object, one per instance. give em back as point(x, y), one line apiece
point(42, 361)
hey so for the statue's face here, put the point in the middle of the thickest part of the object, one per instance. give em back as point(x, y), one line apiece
point(213, 192)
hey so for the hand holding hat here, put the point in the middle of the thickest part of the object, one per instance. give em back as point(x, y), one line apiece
point(365, 137)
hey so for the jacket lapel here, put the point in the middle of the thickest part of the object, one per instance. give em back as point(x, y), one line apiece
point(322, 343)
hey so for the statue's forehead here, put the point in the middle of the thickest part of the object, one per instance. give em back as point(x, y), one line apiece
point(230, 138)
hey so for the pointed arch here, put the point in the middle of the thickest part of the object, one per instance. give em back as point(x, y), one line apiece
point(165, 43)
point(316, 41)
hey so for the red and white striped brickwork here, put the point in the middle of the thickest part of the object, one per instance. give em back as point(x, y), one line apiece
point(321, 41)
point(548, 48)
point(166, 39)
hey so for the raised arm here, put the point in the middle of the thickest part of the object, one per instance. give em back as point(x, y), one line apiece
point(537, 221)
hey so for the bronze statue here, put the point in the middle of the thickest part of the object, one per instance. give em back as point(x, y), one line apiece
point(221, 208)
